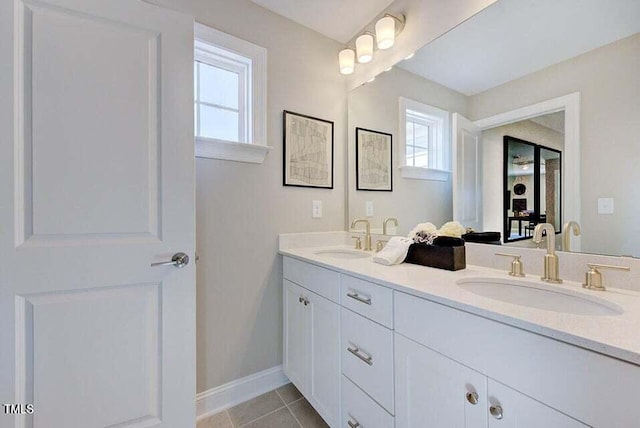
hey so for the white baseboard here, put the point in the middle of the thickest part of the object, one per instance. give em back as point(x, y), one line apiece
point(238, 391)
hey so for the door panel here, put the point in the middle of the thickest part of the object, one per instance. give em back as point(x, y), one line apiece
point(296, 330)
point(520, 411)
point(324, 353)
point(431, 390)
point(97, 173)
point(467, 172)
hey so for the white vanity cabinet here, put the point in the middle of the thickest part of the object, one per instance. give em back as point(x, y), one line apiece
point(535, 380)
point(369, 356)
point(337, 331)
point(432, 387)
point(312, 347)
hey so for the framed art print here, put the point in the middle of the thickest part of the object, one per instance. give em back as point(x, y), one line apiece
point(308, 151)
point(373, 160)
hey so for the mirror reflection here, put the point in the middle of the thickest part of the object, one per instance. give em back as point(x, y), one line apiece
point(526, 113)
point(532, 187)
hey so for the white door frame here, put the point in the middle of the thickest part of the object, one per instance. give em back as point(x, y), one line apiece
point(570, 104)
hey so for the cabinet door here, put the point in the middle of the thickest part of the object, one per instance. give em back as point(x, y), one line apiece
point(324, 353)
point(511, 409)
point(296, 328)
point(435, 391)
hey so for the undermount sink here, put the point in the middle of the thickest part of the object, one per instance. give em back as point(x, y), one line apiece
point(540, 296)
point(343, 253)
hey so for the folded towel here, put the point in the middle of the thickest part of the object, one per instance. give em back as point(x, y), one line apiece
point(394, 252)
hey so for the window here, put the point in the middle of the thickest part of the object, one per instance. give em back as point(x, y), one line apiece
point(424, 141)
point(229, 97)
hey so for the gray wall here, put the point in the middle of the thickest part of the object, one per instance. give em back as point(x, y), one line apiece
point(607, 79)
point(241, 208)
point(375, 106)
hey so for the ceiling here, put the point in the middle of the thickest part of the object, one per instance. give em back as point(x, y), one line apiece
point(513, 38)
point(337, 19)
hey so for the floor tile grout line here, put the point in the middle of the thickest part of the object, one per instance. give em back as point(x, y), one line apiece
point(266, 414)
point(292, 413)
point(229, 419)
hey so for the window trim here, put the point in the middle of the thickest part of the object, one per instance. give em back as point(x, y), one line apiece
point(255, 149)
point(423, 173)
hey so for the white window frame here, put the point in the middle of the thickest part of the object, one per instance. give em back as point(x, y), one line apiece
point(222, 50)
point(432, 116)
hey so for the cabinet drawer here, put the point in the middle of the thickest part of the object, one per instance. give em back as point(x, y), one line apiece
point(562, 376)
point(359, 409)
point(367, 357)
point(321, 281)
point(370, 300)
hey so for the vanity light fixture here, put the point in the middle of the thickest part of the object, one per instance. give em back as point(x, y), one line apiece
point(346, 59)
point(386, 30)
point(364, 48)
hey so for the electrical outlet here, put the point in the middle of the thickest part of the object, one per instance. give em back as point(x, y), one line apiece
point(317, 209)
point(369, 208)
point(605, 205)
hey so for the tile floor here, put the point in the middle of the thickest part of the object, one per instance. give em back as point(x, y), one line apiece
point(283, 408)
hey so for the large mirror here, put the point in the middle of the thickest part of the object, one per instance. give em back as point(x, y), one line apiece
point(558, 80)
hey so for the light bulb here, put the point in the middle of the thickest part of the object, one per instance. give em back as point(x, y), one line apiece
point(346, 60)
point(364, 48)
point(385, 32)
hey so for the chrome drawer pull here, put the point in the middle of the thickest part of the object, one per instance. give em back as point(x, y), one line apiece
point(356, 296)
point(358, 353)
point(351, 424)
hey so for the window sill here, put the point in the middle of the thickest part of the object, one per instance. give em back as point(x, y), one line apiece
point(417, 173)
point(225, 150)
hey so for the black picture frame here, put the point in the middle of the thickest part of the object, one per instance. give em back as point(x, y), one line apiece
point(363, 185)
point(296, 177)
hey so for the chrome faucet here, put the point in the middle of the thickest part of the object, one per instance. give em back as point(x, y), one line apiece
point(367, 237)
point(551, 265)
point(386, 220)
point(572, 226)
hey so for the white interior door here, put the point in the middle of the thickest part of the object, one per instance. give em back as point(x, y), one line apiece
point(96, 183)
point(467, 172)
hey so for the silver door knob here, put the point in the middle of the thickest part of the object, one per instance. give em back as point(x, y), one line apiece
point(496, 412)
point(178, 260)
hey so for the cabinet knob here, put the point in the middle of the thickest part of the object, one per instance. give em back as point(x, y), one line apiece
point(303, 300)
point(353, 423)
point(472, 397)
point(496, 412)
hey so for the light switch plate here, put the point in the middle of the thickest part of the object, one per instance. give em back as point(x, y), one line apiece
point(605, 206)
point(369, 208)
point(317, 209)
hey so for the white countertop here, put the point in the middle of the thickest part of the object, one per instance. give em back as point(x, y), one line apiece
point(616, 335)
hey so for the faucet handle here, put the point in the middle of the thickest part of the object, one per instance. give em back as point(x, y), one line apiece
point(517, 269)
point(593, 277)
point(358, 242)
point(380, 245)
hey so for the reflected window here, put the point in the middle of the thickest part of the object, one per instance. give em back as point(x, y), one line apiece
point(425, 141)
